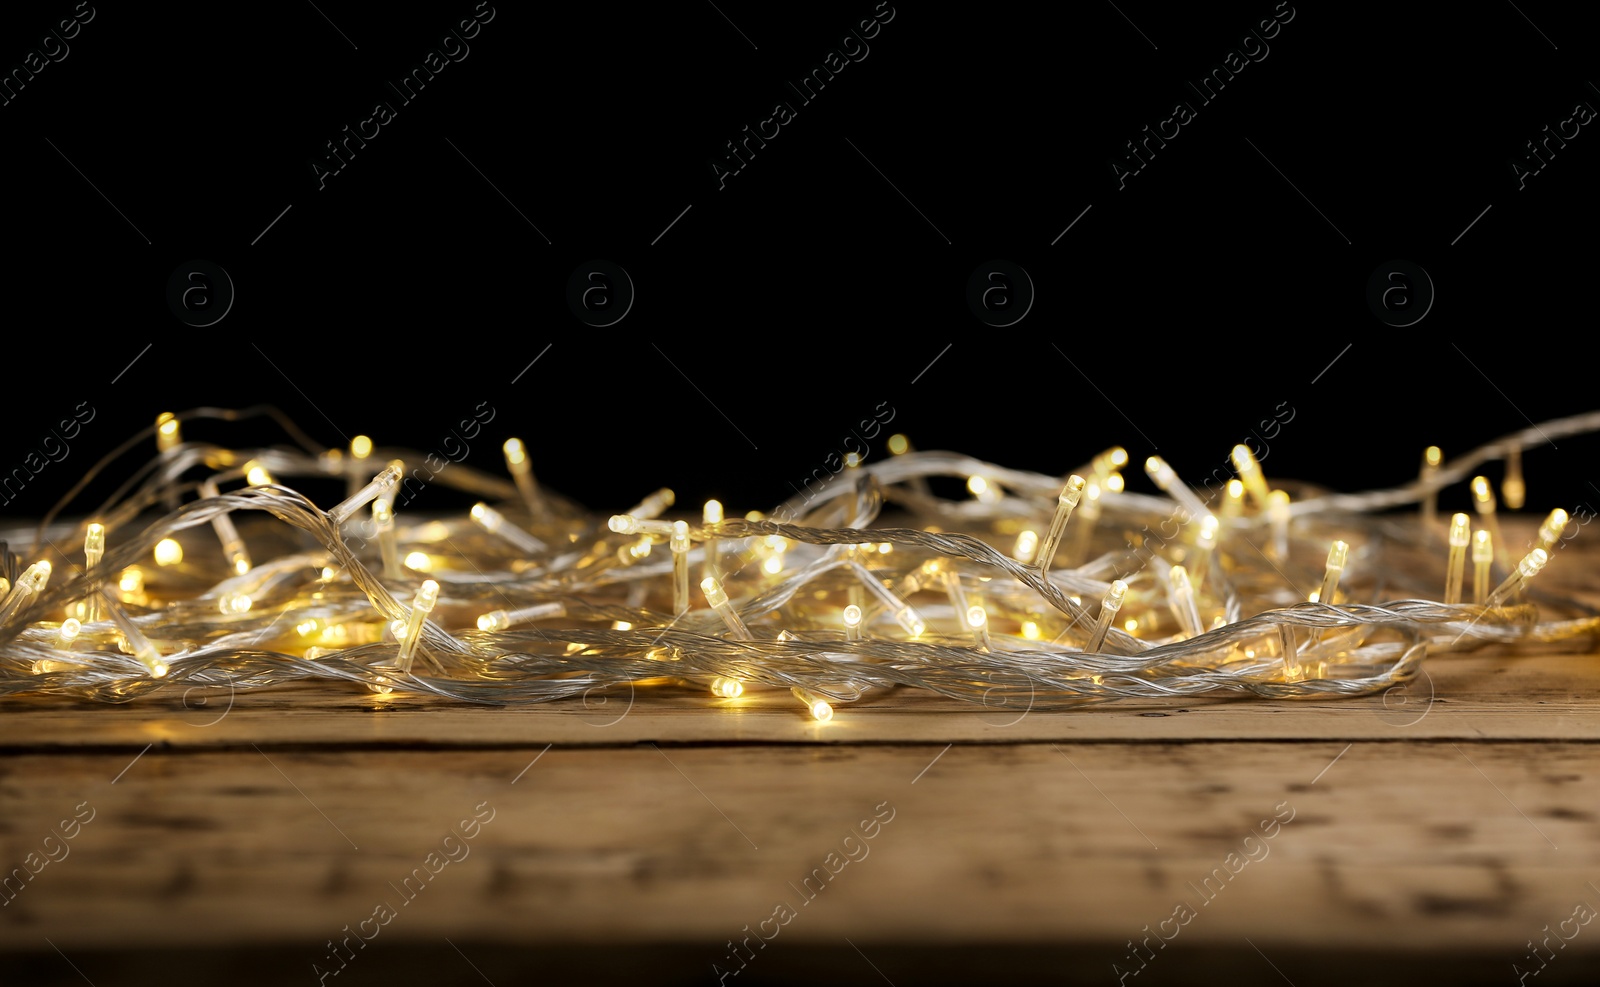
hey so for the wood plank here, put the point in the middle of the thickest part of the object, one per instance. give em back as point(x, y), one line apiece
point(1425, 846)
point(1489, 695)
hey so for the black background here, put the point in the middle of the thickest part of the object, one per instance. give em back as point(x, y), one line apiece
point(779, 311)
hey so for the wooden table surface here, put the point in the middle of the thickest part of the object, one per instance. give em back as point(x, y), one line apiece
point(1439, 835)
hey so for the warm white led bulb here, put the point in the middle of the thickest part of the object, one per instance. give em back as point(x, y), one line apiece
point(629, 524)
point(652, 506)
point(1550, 531)
point(713, 591)
point(1108, 612)
point(168, 552)
point(167, 434)
point(1482, 546)
point(1244, 463)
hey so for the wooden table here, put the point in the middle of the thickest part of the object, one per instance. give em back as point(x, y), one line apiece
point(1426, 837)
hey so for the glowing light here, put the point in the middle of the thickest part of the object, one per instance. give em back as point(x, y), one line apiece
point(419, 561)
point(131, 581)
point(899, 445)
point(256, 475)
point(1244, 463)
point(727, 688)
point(360, 447)
point(168, 552)
point(1027, 544)
point(167, 436)
point(1550, 531)
point(820, 709)
point(1455, 568)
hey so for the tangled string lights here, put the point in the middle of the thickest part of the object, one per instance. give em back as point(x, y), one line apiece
point(1032, 592)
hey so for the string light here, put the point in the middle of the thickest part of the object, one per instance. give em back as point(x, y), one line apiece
point(652, 506)
point(499, 620)
point(1455, 566)
point(1071, 493)
point(1550, 531)
point(29, 585)
point(68, 633)
point(1482, 558)
point(355, 467)
point(1244, 463)
point(1278, 515)
point(168, 439)
point(821, 711)
point(495, 523)
point(852, 623)
point(1512, 488)
point(1432, 457)
point(1165, 478)
point(1518, 580)
point(1182, 601)
point(1338, 552)
point(978, 620)
point(1233, 499)
point(168, 552)
point(232, 545)
point(680, 568)
point(94, 549)
point(1205, 543)
point(522, 474)
point(710, 516)
point(1108, 612)
point(1027, 545)
point(421, 605)
point(388, 541)
point(1483, 503)
point(591, 607)
point(717, 599)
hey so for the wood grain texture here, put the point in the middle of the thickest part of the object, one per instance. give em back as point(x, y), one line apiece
point(1467, 845)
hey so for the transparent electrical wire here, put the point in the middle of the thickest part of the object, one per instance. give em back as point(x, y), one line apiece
point(593, 608)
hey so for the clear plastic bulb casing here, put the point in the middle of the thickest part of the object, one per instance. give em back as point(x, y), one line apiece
point(1455, 566)
point(496, 524)
point(718, 600)
point(1071, 494)
point(1482, 560)
point(421, 605)
point(1108, 612)
point(1518, 581)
